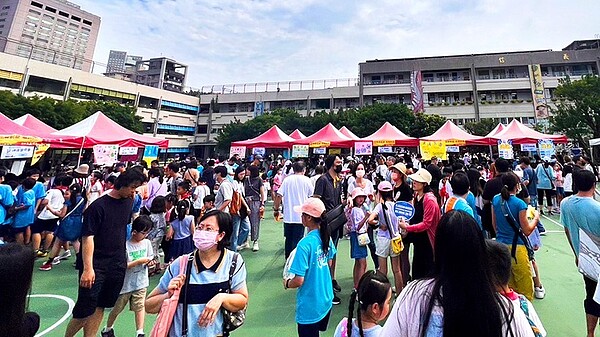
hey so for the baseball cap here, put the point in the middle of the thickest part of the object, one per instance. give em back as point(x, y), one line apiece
point(422, 176)
point(385, 186)
point(312, 206)
point(358, 192)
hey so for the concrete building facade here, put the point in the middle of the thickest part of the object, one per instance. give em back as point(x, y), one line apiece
point(121, 65)
point(52, 31)
point(161, 73)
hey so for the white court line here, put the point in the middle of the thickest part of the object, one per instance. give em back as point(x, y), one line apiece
point(69, 301)
point(553, 221)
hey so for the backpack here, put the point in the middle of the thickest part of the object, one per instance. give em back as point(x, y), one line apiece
point(236, 203)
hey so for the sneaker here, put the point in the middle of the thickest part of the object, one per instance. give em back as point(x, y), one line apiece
point(336, 286)
point(336, 300)
point(255, 246)
point(540, 292)
point(109, 333)
point(141, 335)
point(65, 255)
point(243, 246)
point(542, 232)
point(41, 253)
point(56, 261)
point(46, 266)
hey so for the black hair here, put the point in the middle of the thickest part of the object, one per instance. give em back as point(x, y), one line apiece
point(156, 172)
point(237, 171)
point(142, 223)
point(3, 172)
point(583, 180)
point(211, 162)
point(474, 182)
point(158, 204)
point(172, 198)
point(525, 160)
point(461, 280)
point(299, 166)
point(510, 181)
point(182, 209)
point(324, 232)
point(253, 171)
point(64, 181)
point(33, 171)
point(28, 183)
point(76, 190)
point(502, 165)
point(16, 271)
point(185, 185)
point(173, 166)
point(330, 160)
point(221, 171)
point(373, 287)
point(460, 183)
point(155, 161)
point(209, 198)
point(225, 225)
point(499, 261)
point(111, 179)
point(129, 177)
point(387, 195)
point(97, 175)
point(458, 166)
point(447, 170)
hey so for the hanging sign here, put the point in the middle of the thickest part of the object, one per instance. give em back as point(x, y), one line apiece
point(453, 149)
point(320, 144)
point(529, 147)
point(105, 154)
point(150, 154)
point(384, 142)
point(335, 151)
point(458, 142)
point(18, 139)
point(505, 149)
point(40, 149)
point(386, 149)
point(300, 151)
point(320, 150)
point(239, 150)
point(546, 147)
point(128, 151)
point(17, 152)
point(405, 210)
point(363, 148)
point(433, 148)
point(258, 150)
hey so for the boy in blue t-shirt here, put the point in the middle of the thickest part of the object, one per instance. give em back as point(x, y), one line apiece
point(25, 210)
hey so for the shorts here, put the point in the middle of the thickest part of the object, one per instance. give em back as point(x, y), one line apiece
point(136, 300)
point(44, 225)
point(560, 191)
point(521, 275)
point(384, 247)
point(18, 230)
point(309, 330)
point(590, 306)
point(103, 294)
point(357, 251)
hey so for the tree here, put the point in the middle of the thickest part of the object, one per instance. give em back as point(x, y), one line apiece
point(425, 125)
point(578, 111)
point(481, 128)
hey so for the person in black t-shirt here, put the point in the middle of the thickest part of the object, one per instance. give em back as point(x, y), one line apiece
point(402, 192)
point(102, 261)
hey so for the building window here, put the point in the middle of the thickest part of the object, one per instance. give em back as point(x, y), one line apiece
point(87, 22)
point(5, 7)
point(76, 18)
point(37, 4)
point(61, 13)
point(34, 12)
point(50, 9)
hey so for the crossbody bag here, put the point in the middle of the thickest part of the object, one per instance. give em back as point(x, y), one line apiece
point(518, 233)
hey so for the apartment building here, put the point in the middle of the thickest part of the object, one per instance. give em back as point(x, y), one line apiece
point(161, 73)
point(52, 31)
point(121, 65)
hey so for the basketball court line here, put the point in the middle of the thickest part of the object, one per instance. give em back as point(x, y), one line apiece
point(553, 221)
point(70, 303)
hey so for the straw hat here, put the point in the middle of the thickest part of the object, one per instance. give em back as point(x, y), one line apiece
point(83, 169)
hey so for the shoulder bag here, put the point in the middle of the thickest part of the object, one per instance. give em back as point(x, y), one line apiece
point(336, 217)
point(232, 320)
point(66, 230)
point(395, 239)
point(549, 178)
point(518, 233)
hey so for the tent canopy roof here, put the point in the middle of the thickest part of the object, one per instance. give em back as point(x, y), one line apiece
point(8, 127)
point(496, 130)
point(328, 134)
point(521, 134)
point(297, 134)
point(346, 132)
point(449, 131)
point(388, 132)
point(29, 121)
point(272, 138)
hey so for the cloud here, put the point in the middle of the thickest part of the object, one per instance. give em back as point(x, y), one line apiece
point(242, 41)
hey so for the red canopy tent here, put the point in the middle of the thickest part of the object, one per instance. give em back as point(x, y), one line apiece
point(452, 134)
point(521, 134)
point(273, 138)
point(496, 130)
point(297, 134)
point(35, 124)
point(389, 135)
point(346, 132)
point(13, 133)
point(99, 129)
point(328, 136)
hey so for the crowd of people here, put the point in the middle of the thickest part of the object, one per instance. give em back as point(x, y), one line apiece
point(471, 241)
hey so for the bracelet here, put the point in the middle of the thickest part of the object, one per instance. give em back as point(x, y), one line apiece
point(287, 283)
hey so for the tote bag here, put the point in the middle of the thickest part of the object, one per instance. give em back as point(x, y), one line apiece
point(169, 306)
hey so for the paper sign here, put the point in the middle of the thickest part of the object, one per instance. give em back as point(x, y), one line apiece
point(40, 149)
point(529, 147)
point(128, 151)
point(300, 151)
point(458, 142)
point(434, 148)
point(258, 150)
point(405, 210)
point(320, 150)
point(335, 151)
point(386, 149)
point(17, 152)
point(320, 144)
point(382, 142)
point(546, 147)
point(363, 148)
point(105, 154)
point(505, 149)
point(239, 150)
point(453, 149)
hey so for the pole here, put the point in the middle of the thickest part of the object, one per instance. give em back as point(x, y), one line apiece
point(80, 152)
point(491, 153)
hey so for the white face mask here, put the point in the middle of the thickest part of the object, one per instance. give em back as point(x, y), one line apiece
point(360, 173)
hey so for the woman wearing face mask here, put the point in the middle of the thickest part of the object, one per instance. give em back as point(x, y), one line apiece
point(208, 280)
point(402, 192)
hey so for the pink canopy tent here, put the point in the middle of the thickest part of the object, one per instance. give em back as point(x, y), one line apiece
point(273, 138)
point(521, 134)
point(13, 133)
point(328, 136)
point(346, 132)
point(99, 129)
point(29, 121)
point(452, 133)
point(496, 130)
point(388, 134)
point(297, 134)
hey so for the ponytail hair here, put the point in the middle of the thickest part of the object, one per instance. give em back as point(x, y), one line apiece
point(324, 233)
point(510, 181)
point(373, 287)
point(182, 208)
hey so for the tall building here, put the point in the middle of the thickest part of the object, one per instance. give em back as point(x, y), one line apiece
point(52, 31)
point(122, 66)
point(161, 73)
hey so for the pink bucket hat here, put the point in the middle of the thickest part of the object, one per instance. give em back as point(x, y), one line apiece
point(312, 206)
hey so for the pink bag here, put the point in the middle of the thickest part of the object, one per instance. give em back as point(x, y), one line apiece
point(169, 306)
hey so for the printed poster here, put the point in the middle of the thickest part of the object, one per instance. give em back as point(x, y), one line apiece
point(258, 150)
point(363, 148)
point(546, 148)
point(320, 150)
point(385, 149)
point(150, 154)
point(40, 149)
point(128, 151)
point(505, 149)
point(529, 147)
point(105, 154)
point(239, 150)
point(17, 152)
point(300, 151)
point(433, 148)
point(453, 149)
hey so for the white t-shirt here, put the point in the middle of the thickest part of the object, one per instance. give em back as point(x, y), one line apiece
point(137, 277)
point(295, 189)
point(224, 193)
point(95, 192)
point(55, 201)
point(568, 183)
point(200, 192)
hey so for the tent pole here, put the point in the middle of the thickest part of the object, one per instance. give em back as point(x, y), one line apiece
point(491, 153)
point(80, 152)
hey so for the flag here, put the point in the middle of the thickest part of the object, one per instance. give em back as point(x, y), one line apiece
point(416, 91)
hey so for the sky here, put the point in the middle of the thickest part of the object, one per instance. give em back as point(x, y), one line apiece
point(249, 41)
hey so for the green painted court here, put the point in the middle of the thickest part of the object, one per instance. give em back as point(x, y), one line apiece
point(271, 308)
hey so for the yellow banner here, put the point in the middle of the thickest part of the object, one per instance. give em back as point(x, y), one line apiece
point(455, 142)
point(435, 148)
point(537, 90)
point(384, 142)
point(40, 149)
point(18, 139)
point(319, 144)
point(335, 151)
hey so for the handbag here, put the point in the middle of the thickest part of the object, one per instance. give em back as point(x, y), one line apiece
point(164, 320)
point(396, 239)
point(588, 259)
point(363, 239)
point(232, 320)
point(336, 218)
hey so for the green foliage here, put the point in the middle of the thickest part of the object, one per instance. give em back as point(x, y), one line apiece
point(578, 113)
point(481, 128)
point(425, 125)
point(62, 114)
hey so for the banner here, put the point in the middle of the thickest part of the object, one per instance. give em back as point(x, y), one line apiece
point(335, 151)
point(416, 91)
point(17, 152)
point(128, 151)
point(434, 148)
point(529, 147)
point(320, 150)
point(537, 91)
point(363, 148)
point(320, 144)
point(505, 149)
point(546, 148)
point(258, 150)
point(18, 139)
point(453, 149)
point(300, 151)
point(386, 149)
point(105, 154)
point(455, 142)
point(239, 150)
point(384, 143)
point(40, 149)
